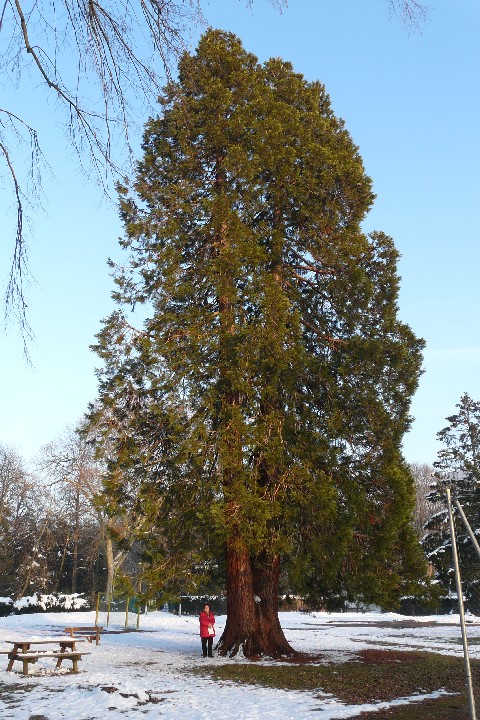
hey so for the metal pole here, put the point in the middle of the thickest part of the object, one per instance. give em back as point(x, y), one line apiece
point(467, 527)
point(466, 659)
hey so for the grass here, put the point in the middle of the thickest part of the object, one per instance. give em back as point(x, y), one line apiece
point(446, 708)
point(379, 675)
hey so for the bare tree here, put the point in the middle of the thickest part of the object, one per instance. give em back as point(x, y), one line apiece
point(21, 523)
point(69, 463)
point(68, 467)
point(15, 484)
point(425, 508)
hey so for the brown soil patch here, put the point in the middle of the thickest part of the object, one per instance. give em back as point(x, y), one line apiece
point(382, 656)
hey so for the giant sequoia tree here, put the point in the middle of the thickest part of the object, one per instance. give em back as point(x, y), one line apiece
point(262, 403)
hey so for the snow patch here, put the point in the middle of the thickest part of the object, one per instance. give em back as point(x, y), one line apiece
point(146, 674)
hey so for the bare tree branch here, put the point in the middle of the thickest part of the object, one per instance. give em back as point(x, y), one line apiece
point(15, 303)
point(101, 41)
point(412, 12)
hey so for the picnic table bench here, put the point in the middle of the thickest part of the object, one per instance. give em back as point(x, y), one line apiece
point(22, 651)
point(86, 631)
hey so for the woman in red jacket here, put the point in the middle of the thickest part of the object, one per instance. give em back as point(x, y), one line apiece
point(207, 630)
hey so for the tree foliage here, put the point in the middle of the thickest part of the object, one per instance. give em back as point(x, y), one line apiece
point(262, 403)
point(98, 63)
point(457, 467)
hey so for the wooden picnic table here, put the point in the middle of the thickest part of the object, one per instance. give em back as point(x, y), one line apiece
point(23, 652)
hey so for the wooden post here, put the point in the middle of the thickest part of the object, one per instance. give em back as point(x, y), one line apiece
point(139, 592)
point(109, 602)
point(96, 609)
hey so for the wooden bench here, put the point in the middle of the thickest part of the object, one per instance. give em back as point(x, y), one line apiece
point(91, 633)
point(32, 657)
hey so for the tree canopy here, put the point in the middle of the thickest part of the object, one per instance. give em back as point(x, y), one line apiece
point(261, 406)
point(99, 64)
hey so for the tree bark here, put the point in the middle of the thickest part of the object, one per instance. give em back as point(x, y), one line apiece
point(266, 577)
point(76, 534)
point(252, 624)
point(110, 565)
point(240, 601)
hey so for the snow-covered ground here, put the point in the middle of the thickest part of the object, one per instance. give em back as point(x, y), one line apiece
point(147, 668)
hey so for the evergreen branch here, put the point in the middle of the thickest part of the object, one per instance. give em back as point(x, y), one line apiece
point(332, 342)
point(312, 269)
point(302, 278)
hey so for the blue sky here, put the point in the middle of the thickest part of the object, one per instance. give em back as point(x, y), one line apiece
point(411, 102)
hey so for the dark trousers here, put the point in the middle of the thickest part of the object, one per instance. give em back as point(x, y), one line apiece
point(207, 641)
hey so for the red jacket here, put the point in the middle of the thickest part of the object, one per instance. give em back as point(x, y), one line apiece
point(205, 622)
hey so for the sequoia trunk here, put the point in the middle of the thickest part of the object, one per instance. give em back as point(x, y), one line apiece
point(269, 633)
point(252, 605)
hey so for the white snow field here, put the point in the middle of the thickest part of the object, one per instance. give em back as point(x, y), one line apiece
point(144, 675)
